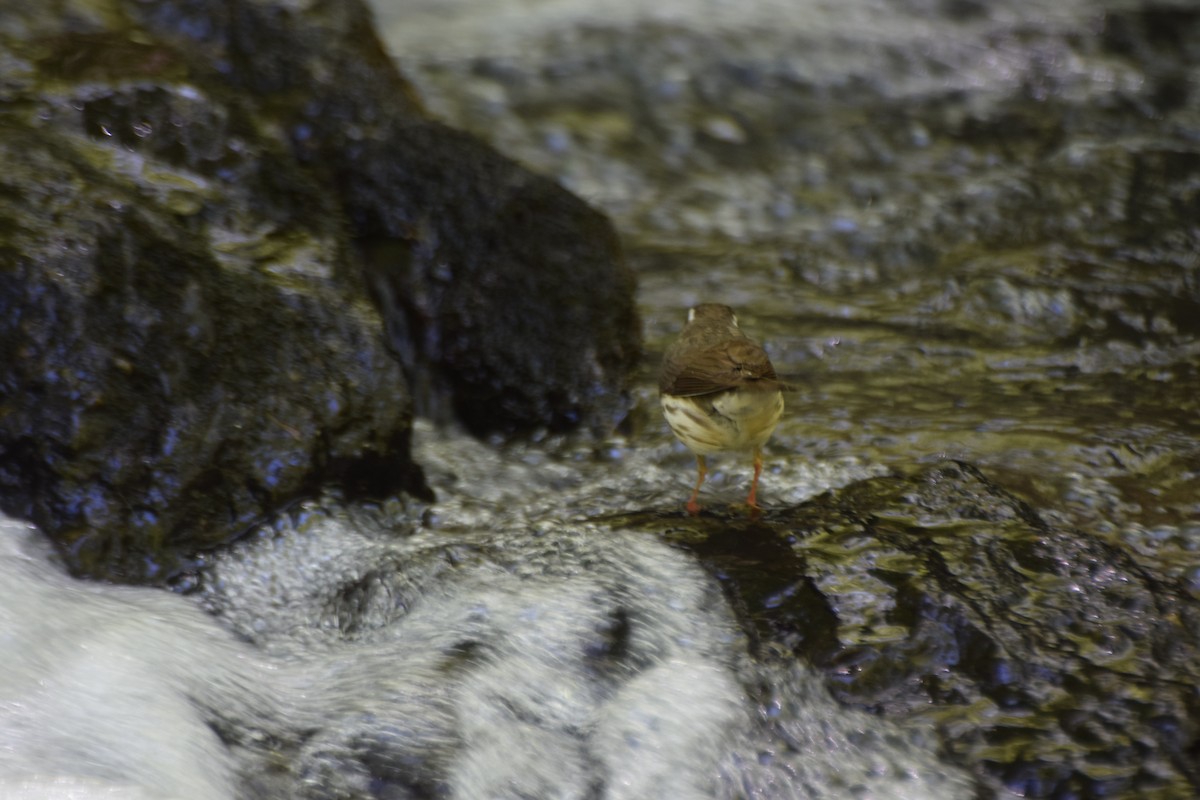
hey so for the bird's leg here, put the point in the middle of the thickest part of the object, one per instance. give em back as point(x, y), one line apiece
point(693, 507)
point(752, 498)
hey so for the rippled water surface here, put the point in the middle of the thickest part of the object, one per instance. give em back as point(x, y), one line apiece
point(964, 231)
point(964, 234)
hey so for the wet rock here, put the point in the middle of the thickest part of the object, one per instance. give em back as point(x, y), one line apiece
point(507, 298)
point(514, 304)
point(1050, 662)
point(187, 340)
point(179, 358)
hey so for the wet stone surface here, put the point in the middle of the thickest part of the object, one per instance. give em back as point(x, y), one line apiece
point(237, 253)
point(941, 596)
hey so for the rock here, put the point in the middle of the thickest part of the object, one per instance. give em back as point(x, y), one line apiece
point(182, 352)
point(506, 297)
point(940, 595)
point(515, 303)
point(187, 342)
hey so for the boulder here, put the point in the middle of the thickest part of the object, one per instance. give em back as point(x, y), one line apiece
point(507, 298)
point(192, 196)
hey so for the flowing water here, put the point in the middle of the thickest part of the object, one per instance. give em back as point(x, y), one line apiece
point(963, 230)
point(498, 643)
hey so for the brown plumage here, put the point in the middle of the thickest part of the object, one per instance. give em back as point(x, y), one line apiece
point(719, 392)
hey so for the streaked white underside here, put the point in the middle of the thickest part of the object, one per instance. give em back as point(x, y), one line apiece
point(724, 421)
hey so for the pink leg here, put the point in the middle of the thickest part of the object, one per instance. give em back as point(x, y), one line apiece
point(752, 498)
point(693, 507)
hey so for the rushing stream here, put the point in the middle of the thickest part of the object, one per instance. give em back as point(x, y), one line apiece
point(495, 644)
point(967, 232)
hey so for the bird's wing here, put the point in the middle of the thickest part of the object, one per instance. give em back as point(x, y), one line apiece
point(739, 363)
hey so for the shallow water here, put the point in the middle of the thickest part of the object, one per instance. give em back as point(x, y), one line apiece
point(965, 232)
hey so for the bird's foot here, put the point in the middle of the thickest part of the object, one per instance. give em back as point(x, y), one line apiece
point(753, 510)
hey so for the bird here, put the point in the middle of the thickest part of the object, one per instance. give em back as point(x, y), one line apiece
point(719, 393)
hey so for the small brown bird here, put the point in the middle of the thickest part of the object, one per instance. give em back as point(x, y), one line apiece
point(719, 392)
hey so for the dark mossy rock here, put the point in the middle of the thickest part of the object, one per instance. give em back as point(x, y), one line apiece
point(187, 341)
point(496, 299)
point(506, 297)
point(179, 357)
point(1050, 662)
